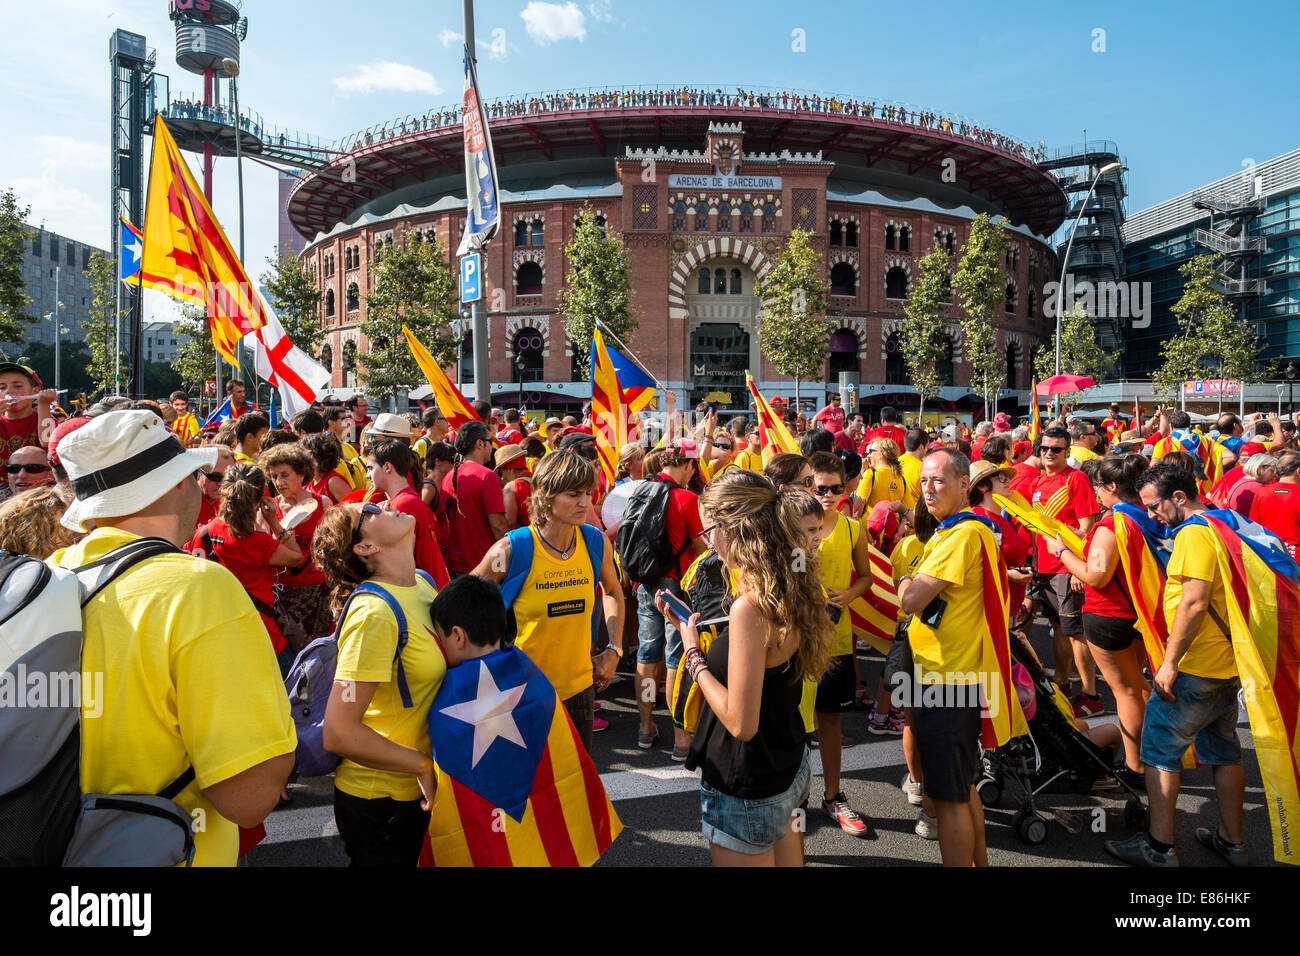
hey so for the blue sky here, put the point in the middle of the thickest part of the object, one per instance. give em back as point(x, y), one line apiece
point(1190, 91)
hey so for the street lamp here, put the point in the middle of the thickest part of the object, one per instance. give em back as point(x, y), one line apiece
point(1279, 399)
point(1065, 261)
point(1290, 374)
point(231, 68)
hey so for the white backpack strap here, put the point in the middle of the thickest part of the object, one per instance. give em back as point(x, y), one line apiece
point(97, 575)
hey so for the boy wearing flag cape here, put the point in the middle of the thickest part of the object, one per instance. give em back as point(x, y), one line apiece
point(961, 649)
point(515, 786)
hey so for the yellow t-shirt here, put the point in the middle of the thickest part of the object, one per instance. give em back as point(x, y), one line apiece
point(881, 484)
point(553, 616)
point(1210, 653)
point(189, 679)
point(953, 651)
point(904, 559)
point(367, 648)
point(836, 550)
point(185, 427)
point(242, 459)
point(1081, 454)
point(749, 458)
point(912, 475)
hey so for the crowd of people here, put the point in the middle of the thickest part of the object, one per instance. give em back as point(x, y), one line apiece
point(742, 565)
point(685, 96)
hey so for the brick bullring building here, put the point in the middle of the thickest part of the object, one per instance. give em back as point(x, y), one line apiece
point(704, 187)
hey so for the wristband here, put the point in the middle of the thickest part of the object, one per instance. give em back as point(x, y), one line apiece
point(1057, 554)
point(617, 650)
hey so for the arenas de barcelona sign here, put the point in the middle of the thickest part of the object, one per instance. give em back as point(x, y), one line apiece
point(685, 181)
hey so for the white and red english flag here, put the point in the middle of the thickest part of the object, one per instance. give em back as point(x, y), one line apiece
point(296, 374)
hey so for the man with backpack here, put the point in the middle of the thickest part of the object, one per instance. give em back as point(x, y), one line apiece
point(657, 541)
point(192, 706)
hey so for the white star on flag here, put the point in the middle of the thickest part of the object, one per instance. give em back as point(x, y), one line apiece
point(491, 714)
point(135, 249)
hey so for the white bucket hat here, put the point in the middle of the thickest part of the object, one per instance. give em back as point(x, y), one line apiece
point(389, 425)
point(122, 462)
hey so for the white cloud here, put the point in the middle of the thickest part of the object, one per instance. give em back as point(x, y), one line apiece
point(600, 10)
point(450, 37)
point(386, 75)
point(551, 22)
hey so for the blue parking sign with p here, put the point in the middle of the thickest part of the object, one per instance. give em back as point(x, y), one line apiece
point(471, 285)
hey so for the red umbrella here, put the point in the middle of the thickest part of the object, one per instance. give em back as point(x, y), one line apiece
point(1059, 384)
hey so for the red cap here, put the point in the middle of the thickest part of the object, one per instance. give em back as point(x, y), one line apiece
point(71, 425)
point(1022, 448)
point(1246, 450)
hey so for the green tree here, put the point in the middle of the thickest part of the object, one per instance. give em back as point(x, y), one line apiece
point(296, 300)
point(73, 359)
point(983, 296)
point(925, 336)
point(414, 286)
point(14, 314)
point(596, 287)
point(101, 327)
point(159, 379)
point(792, 326)
point(1210, 338)
point(1080, 353)
point(196, 362)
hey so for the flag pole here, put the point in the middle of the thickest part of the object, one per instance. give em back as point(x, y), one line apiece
point(628, 352)
point(117, 316)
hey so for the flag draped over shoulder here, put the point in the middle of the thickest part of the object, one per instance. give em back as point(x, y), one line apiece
point(515, 784)
point(1209, 452)
point(450, 401)
point(774, 438)
point(1142, 572)
point(186, 252)
point(875, 614)
point(1003, 717)
point(1262, 585)
point(609, 414)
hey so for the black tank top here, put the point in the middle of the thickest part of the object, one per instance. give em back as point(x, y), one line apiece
point(765, 765)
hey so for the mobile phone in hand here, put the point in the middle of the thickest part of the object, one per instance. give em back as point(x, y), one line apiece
point(679, 608)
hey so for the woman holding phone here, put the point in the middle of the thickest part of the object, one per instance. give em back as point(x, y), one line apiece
point(750, 741)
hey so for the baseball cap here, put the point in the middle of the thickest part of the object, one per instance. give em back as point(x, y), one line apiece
point(22, 370)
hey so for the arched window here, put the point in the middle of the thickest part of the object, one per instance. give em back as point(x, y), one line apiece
point(528, 279)
point(354, 297)
point(896, 283)
point(844, 354)
point(521, 233)
point(950, 243)
point(679, 216)
point(537, 236)
point(720, 280)
point(837, 233)
point(347, 257)
point(735, 282)
point(349, 364)
point(769, 218)
point(1013, 359)
point(327, 357)
point(944, 367)
point(704, 282)
point(701, 217)
point(889, 236)
point(329, 302)
point(1033, 305)
point(600, 223)
point(851, 235)
point(843, 281)
point(1011, 299)
point(528, 346)
point(747, 217)
point(724, 217)
point(904, 238)
point(895, 362)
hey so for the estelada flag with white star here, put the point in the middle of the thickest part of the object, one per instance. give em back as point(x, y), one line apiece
point(516, 786)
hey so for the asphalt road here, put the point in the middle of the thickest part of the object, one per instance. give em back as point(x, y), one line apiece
point(658, 802)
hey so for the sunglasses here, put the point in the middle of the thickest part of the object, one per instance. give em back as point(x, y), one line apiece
point(706, 533)
point(725, 446)
point(1053, 449)
point(212, 475)
point(30, 469)
point(830, 489)
point(368, 508)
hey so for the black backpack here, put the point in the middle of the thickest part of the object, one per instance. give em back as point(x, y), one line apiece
point(642, 543)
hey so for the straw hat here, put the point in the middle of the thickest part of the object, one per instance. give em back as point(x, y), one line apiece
point(979, 470)
point(389, 425)
point(123, 462)
point(506, 455)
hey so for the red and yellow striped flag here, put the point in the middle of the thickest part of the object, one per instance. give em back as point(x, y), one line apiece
point(450, 401)
point(1035, 419)
point(774, 438)
point(609, 413)
point(186, 252)
point(875, 614)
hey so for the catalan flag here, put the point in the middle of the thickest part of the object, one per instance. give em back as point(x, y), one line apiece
point(774, 438)
point(515, 784)
point(1196, 444)
point(609, 414)
point(1262, 585)
point(1035, 419)
point(132, 248)
point(875, 613)
point(1040, 522)
point(186, 252)
point(450, 401)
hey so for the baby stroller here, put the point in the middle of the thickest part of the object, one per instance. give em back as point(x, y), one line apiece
point(1055, 757)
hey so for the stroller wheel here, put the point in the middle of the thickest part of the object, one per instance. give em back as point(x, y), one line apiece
point(1031, 828)
point(1135, 813)
point(989, 790)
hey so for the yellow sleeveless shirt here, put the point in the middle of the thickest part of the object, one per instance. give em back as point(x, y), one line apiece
point(836, 551)
point(553, 616)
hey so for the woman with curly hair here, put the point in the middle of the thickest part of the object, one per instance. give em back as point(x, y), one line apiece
point(377, 716)
point(301, 602)
point(29, 523)
point(327, 459)
point(750, 742)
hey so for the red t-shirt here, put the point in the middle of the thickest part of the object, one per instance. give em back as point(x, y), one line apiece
point(248, 559)
point(683, 525)
point(428, 556)
point(306, 573)
point(1026, 477)
point(207, 511)
point(358, 426)
point(522, 487)
point(18, 433)
point(470, 493)
point(1110, 599)
point(892, 432)
point(1073, 492)
point(1277, 508)
point(1241, 496)
point(510, 436)
point(832, 418)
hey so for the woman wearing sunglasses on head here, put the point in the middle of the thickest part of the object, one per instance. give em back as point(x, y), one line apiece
point(377, 716)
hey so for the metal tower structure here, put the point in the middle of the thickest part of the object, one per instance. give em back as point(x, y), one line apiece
point(1235, 207)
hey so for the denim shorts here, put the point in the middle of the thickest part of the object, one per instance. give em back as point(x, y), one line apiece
point(752, 826)
point(1203, 710)
point(653, 629)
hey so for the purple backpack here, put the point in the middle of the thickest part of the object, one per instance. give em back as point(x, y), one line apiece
point(311, 678)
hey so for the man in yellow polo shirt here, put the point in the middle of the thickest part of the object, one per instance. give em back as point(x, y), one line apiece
point(1195, 699)
point(189, 678)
